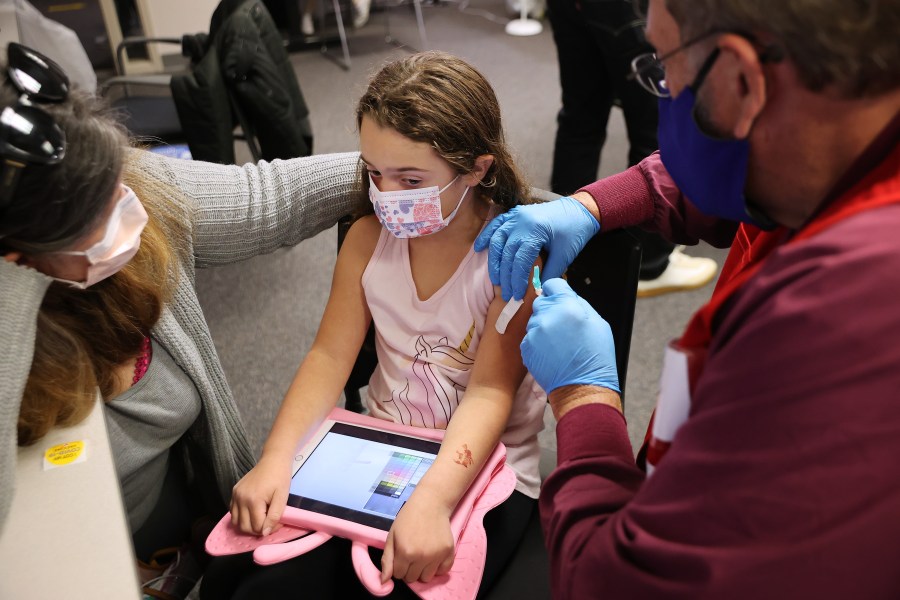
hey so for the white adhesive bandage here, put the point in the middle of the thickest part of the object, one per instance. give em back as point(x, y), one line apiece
point(511, 308)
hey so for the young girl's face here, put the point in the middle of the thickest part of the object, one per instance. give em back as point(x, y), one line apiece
point(395, 162)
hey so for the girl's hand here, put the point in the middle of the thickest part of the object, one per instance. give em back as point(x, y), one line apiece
point(258, 499)
point(420, 544)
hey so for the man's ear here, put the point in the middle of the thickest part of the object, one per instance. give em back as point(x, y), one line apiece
point(479, 170)
point(749, 84)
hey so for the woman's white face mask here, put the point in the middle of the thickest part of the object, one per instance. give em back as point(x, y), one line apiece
point(119, 244)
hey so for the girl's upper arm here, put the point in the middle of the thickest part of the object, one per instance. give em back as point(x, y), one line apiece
point(498, 362)
point(238, 212)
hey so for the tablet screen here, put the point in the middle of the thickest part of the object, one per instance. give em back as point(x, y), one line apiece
point(361, 475)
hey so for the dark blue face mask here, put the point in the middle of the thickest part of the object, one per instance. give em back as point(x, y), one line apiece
point(711, 172)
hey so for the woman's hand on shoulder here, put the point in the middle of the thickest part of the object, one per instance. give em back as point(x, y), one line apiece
point(420, 544)
point(259, 498)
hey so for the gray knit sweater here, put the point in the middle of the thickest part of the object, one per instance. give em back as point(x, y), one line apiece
point(237, 213)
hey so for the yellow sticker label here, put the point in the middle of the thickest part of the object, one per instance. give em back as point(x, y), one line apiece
point(64, 454)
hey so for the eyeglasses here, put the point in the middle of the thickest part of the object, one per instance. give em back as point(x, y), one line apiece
point(29, 134)
point(649, 71)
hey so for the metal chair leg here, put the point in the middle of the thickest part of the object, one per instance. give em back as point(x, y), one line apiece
point(345, 47)
point(420, 22)
point(388, 37)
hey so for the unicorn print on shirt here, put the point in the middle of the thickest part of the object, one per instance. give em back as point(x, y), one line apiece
point(436, 392)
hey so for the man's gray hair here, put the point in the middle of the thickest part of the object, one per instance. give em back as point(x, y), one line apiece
point(851, 46)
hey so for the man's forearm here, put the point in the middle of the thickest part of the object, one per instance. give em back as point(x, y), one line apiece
point(567, 397)
point(589, 203)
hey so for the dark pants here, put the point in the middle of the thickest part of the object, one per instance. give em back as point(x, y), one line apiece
point(327, 571)
point(170, 523)
point(596, 41)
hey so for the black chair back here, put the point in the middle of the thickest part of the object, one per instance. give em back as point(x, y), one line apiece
point(605, 274)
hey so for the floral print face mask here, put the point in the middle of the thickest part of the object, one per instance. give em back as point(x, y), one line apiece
point(412, 213)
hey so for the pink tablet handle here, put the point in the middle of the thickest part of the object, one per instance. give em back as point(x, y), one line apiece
point(282, 545)
point(368, 573)
point(464, 578)
point(226, 539)
point(494, 483)
point(276, 553)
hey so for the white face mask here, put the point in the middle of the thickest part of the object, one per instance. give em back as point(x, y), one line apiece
point(412, 213)
point(119, 244)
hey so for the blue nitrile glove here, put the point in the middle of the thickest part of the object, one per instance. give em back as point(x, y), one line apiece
point(567, 342)
point(516, 237)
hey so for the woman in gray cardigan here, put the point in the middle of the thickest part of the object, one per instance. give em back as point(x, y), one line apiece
point(136, 331)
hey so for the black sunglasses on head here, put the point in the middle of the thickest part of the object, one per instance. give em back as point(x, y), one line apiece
point(29, 134)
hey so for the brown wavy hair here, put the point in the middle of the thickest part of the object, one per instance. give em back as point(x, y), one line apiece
point(441, 100)
point(83, 335)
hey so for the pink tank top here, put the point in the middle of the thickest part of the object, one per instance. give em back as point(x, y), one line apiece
point(426, 350)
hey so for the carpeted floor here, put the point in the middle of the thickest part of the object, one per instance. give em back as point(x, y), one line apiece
point(264, 312)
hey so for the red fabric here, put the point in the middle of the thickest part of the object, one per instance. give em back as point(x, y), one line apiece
point(752, 246)
point(660, 207)
point(615, 190)
point(142, 363)
point(783, 481)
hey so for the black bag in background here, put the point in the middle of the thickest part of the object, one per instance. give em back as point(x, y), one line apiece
point(244, 78)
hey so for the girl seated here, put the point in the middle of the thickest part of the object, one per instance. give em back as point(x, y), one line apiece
point(436, 169)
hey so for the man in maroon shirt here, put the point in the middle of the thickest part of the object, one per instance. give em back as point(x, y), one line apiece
point(774, 446)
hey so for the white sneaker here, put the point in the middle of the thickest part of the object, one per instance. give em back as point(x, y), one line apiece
point(683, 273)
point(360, 12)
point(306, 25)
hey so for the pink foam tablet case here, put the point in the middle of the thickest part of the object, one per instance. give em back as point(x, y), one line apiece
point(304, 530)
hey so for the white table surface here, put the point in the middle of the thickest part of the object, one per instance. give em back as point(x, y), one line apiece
point(66, 535)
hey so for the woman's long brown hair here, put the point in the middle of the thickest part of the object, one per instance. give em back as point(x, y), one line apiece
point(84, 335)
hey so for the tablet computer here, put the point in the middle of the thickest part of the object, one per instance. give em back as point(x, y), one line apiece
point(357, 474)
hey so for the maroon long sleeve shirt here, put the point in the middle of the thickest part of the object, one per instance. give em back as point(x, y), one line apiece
point(784, 482)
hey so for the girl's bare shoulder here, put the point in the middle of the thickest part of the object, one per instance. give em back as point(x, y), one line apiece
point(362, 237)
